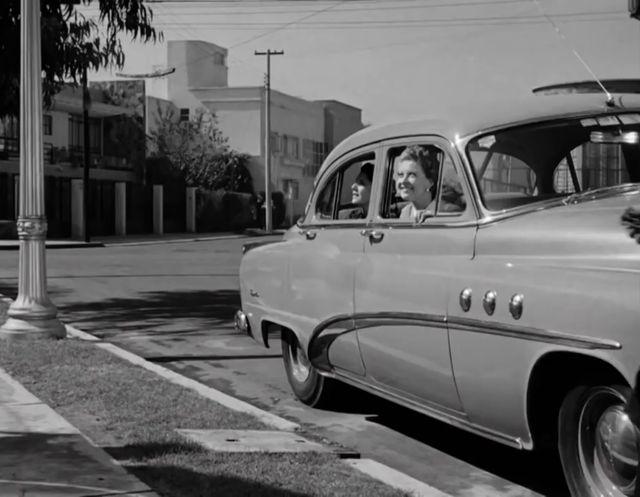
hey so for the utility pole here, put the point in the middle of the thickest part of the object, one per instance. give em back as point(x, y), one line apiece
point(267, 139)
point(86, 102)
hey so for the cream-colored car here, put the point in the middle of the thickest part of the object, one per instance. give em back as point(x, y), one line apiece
point(509, 306)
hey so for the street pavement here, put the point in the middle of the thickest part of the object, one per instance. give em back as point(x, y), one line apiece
point(173, 304)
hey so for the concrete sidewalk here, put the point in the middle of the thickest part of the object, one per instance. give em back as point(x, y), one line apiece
point(41, 454)
point(148, 239)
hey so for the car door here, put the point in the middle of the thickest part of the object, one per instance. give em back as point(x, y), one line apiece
point(402, 282)
point(324, 258)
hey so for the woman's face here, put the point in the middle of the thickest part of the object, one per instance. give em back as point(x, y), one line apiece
point(360, 190)
point(411, 182)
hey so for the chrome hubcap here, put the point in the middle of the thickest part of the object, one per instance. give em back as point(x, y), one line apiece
point(300, 365)
point(608, 444)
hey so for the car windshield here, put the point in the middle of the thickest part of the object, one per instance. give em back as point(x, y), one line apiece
point(556, 159)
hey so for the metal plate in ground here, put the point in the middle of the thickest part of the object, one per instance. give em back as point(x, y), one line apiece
point(253, 441)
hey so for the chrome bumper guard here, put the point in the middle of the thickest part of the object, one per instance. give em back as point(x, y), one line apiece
point(241, 322)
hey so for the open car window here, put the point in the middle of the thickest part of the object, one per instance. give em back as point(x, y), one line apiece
point(445, 196)
point(346, 195)
point(527, 164)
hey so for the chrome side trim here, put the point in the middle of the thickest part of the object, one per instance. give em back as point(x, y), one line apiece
point(369, 320)
point(327, 331)
point(459, 420)
point(532, 334)
point(323, 336)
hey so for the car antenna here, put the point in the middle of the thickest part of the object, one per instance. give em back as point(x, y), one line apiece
point(610, 100)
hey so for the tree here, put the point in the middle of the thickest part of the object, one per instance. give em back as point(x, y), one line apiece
point(196, 152)
point(71, 42)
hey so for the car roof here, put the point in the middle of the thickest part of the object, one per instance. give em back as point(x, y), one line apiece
point(460, 121)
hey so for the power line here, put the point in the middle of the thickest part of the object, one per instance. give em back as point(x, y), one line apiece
point(412, 21)
point(354, 9)
point(286, 25)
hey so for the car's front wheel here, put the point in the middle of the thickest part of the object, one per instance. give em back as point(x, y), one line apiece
point(307, 384)
point(597, 441)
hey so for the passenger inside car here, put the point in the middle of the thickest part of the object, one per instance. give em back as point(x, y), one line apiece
point(360, 193)
point(450, 198)
point(416, 178)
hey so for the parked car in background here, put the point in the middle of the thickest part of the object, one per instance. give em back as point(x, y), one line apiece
point(509, 308)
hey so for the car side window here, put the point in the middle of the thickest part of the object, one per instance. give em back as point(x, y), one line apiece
point(421, 182)
point(347, 193)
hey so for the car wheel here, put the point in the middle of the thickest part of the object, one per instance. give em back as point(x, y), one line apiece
point(598, 443)
point(307, 384)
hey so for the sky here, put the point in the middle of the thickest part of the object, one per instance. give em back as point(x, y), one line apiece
point(398, 59)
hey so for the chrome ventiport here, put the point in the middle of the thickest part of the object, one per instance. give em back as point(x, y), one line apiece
point(489, 302)
point(515, 305)
point(465, 299)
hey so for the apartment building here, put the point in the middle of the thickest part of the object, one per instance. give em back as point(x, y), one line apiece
point(302, 131)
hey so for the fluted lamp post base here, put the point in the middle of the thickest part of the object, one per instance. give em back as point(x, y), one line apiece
point(15, 327)
point(32, 314)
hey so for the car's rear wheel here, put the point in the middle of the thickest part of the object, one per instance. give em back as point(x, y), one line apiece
point(598, 443)
point(307, 384)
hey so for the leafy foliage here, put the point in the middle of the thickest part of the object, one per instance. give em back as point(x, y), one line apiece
point(197, 152)
point(71, 42)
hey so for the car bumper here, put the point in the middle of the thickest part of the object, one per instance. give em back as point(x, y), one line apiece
point(241, 322)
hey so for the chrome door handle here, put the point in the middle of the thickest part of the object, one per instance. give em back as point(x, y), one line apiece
point(309, 235)
point(374, 235)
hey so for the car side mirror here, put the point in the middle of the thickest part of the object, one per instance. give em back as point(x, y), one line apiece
point(299, 221)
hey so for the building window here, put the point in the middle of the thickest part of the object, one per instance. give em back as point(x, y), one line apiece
point(274, 143)
point(47, 124)
point(184, 115)
point(292, 146)
point(290, 188)
point(314, 152)
point(76, 135)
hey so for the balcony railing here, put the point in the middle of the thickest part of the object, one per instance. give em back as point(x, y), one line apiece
point(10, 150)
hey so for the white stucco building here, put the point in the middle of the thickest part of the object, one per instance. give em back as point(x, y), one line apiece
point(302, 131)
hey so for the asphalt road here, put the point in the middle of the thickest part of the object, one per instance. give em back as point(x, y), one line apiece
point(173, 304)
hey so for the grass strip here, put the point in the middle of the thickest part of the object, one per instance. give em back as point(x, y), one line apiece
point(132, 413)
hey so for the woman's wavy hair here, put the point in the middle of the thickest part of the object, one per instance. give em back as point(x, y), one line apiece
point(420, 155)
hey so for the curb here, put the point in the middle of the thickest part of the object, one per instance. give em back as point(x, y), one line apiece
point(57, 245)
point(204, 390)
point(15, 244)
point(161, 241)
point(62, 426)
point(371, 468)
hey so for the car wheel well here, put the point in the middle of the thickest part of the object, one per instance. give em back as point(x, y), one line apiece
point(551, 379)
point(274, 330)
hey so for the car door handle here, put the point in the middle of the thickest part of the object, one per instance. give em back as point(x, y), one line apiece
point(374, 235)
point(308, 234)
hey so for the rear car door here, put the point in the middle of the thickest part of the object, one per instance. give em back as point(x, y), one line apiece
point(402, 282)
point(324, 258)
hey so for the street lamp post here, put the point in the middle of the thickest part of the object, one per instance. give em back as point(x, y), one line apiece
point(32, 313)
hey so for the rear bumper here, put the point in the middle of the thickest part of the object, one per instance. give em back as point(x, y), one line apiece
point(241, 322)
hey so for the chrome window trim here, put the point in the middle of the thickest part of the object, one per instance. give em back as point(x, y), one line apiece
point(447, 147)
point(309, 222)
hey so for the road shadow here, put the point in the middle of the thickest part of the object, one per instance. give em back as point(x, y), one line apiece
point(168, 312)
point(174, 479)
point(9, 289)
point(537, 470)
